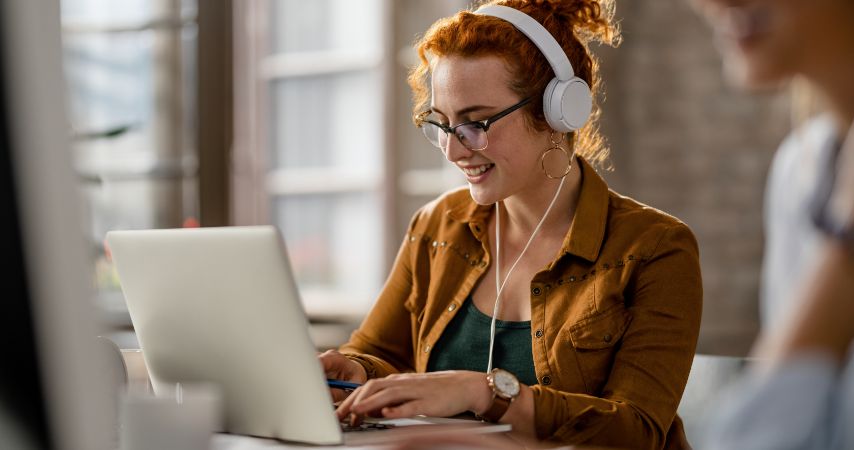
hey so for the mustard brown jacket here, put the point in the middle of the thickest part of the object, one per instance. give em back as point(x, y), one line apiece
point(614, 317)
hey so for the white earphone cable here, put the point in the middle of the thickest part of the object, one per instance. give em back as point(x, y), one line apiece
point(499, 286)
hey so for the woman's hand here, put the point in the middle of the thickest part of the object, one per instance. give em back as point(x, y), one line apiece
point(339, 367)
point(436, 394)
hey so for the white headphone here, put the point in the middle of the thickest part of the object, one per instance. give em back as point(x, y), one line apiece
point(567, 100)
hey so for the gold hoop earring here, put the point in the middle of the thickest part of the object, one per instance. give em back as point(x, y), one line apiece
point(555, 147)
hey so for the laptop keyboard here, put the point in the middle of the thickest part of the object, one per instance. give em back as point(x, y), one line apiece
point(365, 426)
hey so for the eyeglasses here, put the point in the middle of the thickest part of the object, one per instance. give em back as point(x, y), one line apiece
point(471, 134)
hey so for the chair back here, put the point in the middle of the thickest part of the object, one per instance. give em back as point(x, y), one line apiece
point(710, 375)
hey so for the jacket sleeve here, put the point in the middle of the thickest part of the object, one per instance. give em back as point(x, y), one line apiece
point(383, 343)
point(639, 399)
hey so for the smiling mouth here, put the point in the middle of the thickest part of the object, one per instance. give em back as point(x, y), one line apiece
point(476, 170)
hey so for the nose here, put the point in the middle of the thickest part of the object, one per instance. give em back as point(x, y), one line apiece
point(455, 150)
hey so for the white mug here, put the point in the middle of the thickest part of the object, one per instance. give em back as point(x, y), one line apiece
point(184, 420)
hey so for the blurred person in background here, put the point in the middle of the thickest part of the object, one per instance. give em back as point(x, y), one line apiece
point(595, 298)
point(800, 395)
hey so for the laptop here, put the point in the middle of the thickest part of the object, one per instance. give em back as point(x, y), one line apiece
point(221, 305)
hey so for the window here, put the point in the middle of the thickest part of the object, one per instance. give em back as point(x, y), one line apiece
point(130, 68)
point(322, 77)
point(325, 148)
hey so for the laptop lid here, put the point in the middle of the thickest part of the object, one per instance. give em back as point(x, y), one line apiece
point(221, 305)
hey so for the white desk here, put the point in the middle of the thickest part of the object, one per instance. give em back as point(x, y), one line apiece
point(481, 436)
point(497, 441)
point(236, 442)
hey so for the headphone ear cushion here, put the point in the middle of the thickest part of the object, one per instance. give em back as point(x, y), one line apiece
point(567, 104)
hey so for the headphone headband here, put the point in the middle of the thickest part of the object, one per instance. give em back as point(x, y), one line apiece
point(567, 100)
point(537, 33)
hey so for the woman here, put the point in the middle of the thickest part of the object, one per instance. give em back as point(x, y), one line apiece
point(802, 394)
point(594, 298)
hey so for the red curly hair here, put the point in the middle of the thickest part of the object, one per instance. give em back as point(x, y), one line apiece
point(573, 23)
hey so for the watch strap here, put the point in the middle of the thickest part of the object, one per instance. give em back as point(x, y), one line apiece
point(497, 410)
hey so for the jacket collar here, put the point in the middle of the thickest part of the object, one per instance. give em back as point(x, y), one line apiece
point(587, 232)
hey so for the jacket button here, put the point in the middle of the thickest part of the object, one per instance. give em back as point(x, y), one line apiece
point(427, 348)
point(572, 278)
point(473, 263)
point(536, 291)
point(435, 244)
point(412, 239)
point(539, 333)
point(452, 307)
point(546, 380)
point(607, 338)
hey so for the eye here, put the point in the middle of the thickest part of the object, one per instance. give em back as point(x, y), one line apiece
point(437, 122)
point(438, 118)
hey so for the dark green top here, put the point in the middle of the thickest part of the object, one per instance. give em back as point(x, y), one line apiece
point(465, 345)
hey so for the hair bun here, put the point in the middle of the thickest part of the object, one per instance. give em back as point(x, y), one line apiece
point(591, 20)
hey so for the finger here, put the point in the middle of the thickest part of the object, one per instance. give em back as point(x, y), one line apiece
point(328, 360)
point(338, 395)
point(387, 396)
point(343, 409)
point(405, 409)
point(336, 365)
point(355, 402)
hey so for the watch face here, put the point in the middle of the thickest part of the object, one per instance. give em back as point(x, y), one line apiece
point(506, 383)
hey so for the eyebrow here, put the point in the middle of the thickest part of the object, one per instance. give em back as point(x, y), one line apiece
point(464, 111)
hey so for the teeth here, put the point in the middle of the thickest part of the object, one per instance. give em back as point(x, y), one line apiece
point(475, 171)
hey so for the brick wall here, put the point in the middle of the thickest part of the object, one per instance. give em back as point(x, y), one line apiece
point(684, 142)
